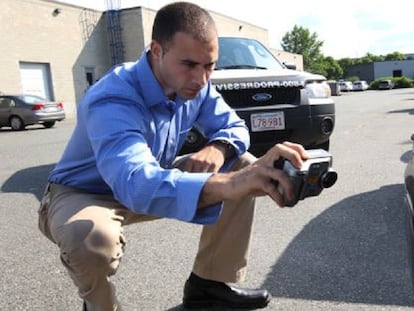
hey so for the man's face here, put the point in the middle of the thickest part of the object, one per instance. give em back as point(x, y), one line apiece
point(185, 67)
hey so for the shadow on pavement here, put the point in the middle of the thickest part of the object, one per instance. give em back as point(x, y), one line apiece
point(406, 157)
point(30, 180)
point(27, 128)
point(409, 111)
point(356, 252)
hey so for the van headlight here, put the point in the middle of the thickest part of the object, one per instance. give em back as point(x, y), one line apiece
point(318, 89)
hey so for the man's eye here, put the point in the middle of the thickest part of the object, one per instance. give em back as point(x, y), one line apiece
point(190, 64)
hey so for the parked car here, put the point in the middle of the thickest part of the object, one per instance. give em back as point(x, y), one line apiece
point(409, 191)
point(18, 111)
point(345, 86)
point(335, 88)
point(385, 85)
point(277, 103)
point(361, 85)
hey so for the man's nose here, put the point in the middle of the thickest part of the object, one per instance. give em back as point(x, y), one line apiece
point(200, 75)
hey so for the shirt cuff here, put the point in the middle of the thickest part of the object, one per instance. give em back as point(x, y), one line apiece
point(189, 189)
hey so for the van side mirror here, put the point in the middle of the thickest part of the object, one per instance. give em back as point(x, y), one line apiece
point(290, 65)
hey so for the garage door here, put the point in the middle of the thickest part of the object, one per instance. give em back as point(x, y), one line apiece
point(35, 79)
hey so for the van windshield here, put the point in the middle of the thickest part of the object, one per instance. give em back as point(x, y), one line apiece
point(243, 53)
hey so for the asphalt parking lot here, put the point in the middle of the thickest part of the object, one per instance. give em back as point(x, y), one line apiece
point(343, 250)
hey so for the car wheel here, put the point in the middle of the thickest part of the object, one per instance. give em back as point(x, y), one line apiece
point(16, 123)
point(49, 124)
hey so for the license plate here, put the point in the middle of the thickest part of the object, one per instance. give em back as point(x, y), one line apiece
point(50, 109)
point(268, 121)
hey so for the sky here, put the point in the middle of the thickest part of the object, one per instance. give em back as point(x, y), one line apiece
point(350, 28)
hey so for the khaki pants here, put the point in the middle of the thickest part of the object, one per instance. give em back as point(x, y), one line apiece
point(88, 231)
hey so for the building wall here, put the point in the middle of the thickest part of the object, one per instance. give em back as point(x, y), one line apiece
point(67, 42)
point(377, 70)
point(228, 27)
point(73, 41)
point(135, 23)
point(289, 58)
point(363, 71)
point(386, 68)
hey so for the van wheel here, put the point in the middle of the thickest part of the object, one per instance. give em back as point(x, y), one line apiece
point(16, 123)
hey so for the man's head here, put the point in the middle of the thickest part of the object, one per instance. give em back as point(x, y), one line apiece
point(184, 48)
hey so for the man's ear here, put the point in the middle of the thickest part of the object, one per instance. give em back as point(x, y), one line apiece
point(156, 49)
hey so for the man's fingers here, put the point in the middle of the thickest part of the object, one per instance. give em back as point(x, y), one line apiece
point(274, 183)
point(276, 196)
point(299, 148)
point(295, 153)
point(282, 184)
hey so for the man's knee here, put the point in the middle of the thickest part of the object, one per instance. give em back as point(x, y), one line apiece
point(85, 247)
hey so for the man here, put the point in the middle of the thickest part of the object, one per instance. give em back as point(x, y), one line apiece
point(121, 167)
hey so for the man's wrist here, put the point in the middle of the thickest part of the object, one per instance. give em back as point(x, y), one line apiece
point(215, 190)
point(226, 147)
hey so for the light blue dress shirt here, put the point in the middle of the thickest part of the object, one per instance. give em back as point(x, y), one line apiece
point(128, 134)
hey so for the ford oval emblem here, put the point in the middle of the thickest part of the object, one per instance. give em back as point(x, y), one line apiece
point(261, 97)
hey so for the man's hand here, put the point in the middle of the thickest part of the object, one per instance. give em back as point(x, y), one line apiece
point(257, 179)
point(208, 159)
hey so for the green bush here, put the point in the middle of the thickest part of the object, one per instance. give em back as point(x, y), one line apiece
point(403, 82)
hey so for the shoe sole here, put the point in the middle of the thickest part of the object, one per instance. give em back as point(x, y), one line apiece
point(189, 305)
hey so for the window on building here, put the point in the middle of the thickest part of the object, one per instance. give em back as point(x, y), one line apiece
point(397, 73)
point(90, 75)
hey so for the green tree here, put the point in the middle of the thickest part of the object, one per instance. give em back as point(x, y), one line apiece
point(345, 63)
point(301, 41)
point(395, 56)
point(331, 68)
point(368, 58)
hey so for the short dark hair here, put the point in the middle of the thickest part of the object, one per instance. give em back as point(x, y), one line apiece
point(182, 17)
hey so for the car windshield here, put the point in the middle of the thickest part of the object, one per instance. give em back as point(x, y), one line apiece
point(32, 99)
point(243, 53)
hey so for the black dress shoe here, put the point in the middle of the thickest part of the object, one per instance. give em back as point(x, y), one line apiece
point(201, 293)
